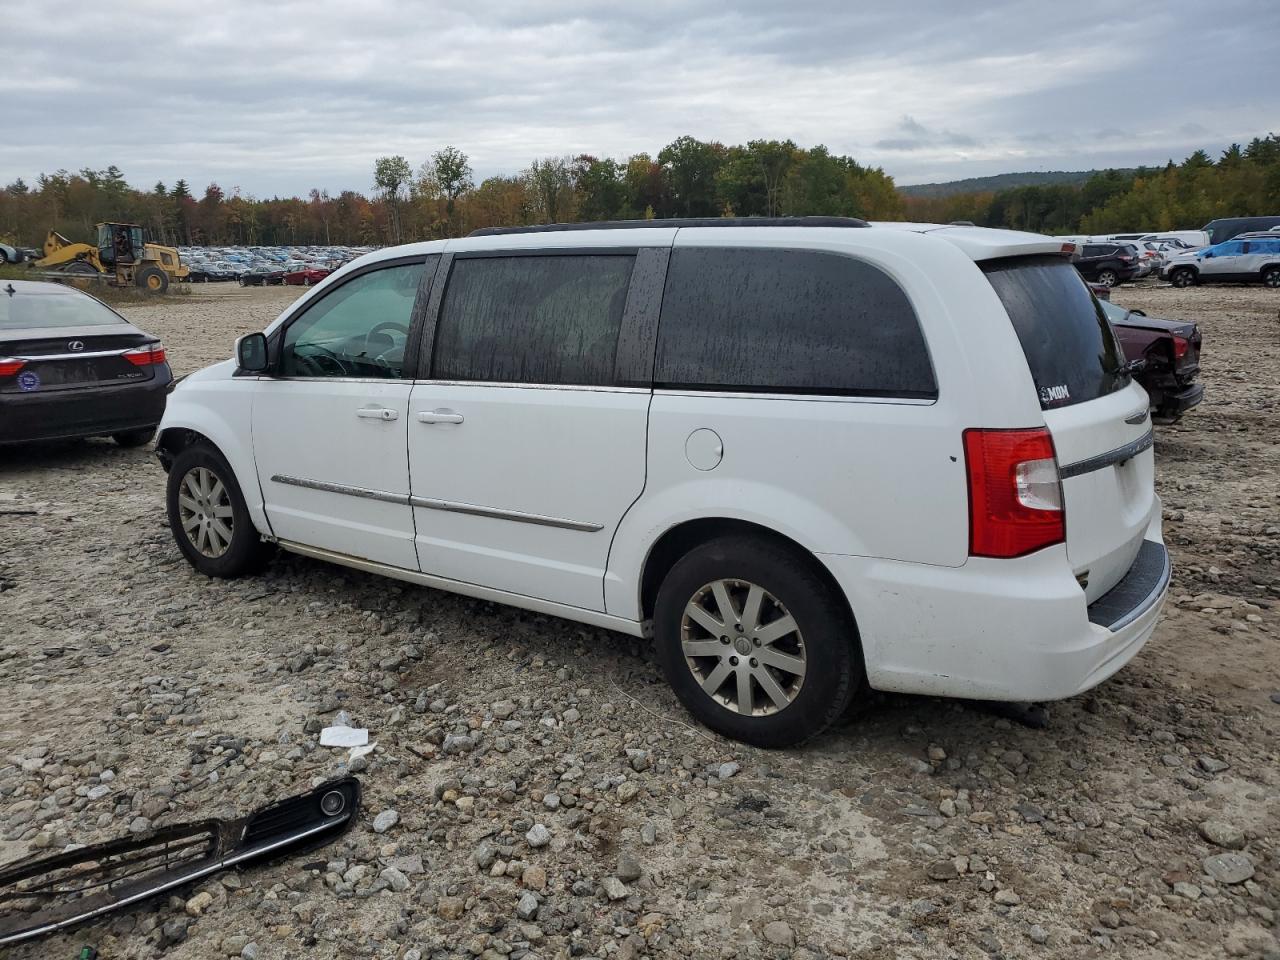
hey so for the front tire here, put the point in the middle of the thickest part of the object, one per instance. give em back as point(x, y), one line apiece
point(209, 518)
point(152, 280)
point(1108, 278)
point(1183, 277)
point(134, 438)
point(755, 642)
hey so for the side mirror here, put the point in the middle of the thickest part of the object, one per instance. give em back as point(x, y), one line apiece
point(251, 353)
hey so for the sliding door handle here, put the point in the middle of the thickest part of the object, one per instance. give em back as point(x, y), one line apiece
point(443, 415)
point(378, 413)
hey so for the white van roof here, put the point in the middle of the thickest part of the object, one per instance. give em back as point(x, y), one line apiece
point(987, 243)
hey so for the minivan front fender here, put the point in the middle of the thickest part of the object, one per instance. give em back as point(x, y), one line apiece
point(220, 410)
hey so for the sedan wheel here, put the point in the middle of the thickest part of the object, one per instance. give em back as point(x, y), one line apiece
point(204, 510)
point(1107, 278)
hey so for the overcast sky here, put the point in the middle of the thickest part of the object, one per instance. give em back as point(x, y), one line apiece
point(278, 97)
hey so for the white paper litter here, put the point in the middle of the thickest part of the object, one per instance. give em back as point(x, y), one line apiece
point(344, 737)
point(358, 752)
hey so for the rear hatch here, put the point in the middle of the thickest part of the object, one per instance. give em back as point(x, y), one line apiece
point(56, 338)
point(1095, 412)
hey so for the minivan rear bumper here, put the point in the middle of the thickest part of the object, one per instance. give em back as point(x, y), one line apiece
point(1017, 630)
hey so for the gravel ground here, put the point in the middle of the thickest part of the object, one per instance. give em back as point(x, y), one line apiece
point(553, 801)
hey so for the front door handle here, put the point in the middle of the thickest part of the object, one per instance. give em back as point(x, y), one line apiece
point(378, 413)
point(443, 415)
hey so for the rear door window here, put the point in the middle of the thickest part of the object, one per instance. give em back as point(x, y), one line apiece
point(1070, 347)
point(788, 321)
point(533, 319)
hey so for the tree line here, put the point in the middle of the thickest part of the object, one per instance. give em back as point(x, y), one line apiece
point(687, 178)
point(1243, 182)
point(440, 198)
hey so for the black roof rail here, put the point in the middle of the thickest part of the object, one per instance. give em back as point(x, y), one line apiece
point(675, 222)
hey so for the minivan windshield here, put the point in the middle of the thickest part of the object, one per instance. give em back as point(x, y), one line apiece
point(1070, 347)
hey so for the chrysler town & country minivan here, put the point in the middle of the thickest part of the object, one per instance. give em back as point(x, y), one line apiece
point(807, 456)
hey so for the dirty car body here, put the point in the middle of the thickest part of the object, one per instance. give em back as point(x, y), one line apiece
point(1170, 353)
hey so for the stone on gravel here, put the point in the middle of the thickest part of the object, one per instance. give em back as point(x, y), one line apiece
point(1037, 933)
point(1212, 764)
point(727, 770)
point(527, 906)
point(941, 870)
point(534, 877)
point(538, 836)
point(450, 908)
point(396, 880)
point(1223, 834)
point(1228, 868)
point(385, 821)
point(615, 889)
point(629, 869)
point(1007, 898)
point(779, 933)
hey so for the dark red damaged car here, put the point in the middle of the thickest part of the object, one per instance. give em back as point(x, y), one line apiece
point(1170, 355)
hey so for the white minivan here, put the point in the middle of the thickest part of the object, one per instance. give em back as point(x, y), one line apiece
point(807, 456)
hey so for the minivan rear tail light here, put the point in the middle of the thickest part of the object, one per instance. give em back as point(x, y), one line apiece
point(1180, 347)
point(145, 356)
point(1015, 492)
point(9, 366)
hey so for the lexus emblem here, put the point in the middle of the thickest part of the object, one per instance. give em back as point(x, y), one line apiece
point(76, 345)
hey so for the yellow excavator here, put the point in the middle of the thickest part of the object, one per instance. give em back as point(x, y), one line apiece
point(121, 257)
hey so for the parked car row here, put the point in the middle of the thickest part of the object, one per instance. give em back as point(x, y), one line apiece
point(260, 266)
point(1234, 250)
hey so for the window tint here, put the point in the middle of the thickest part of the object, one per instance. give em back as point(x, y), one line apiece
point(358, 330)
point(1070, 347)
point(788, 321)
point(534, 319)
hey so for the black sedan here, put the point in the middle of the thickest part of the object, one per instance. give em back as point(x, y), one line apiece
point(261, 277)
point(70, 366)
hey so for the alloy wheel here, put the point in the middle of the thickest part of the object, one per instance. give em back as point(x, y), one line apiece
point(743, 647)
point(204, 510)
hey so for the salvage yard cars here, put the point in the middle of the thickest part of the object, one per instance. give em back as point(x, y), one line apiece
point(809, 456)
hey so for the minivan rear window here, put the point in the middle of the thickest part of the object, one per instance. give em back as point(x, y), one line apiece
point(765, 320)
point(1070, 347)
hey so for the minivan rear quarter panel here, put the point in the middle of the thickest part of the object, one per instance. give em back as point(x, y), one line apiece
point(865, 476)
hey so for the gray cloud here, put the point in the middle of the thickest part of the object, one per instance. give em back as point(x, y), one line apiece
point(280, 97)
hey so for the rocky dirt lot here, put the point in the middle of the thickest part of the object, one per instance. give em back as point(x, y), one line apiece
point(550, 798)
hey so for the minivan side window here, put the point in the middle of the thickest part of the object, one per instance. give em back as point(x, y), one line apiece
point(532, 319)
point(358, 330)
point(788, 321)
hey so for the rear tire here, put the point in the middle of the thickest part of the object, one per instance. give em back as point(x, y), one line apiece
point(1108, 278)
point(1183, 278)
point(152, 280)
point(134, 438)
point(204, 498)
point(774, 706)
point(1271, 277)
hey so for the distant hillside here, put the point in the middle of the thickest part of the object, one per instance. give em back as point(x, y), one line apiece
point(1003, 181)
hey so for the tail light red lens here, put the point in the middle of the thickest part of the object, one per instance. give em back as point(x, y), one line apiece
point(10, 366)
point(145, 356)
point(1015, 493)
point(1125, 259)
point(1180, 347)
